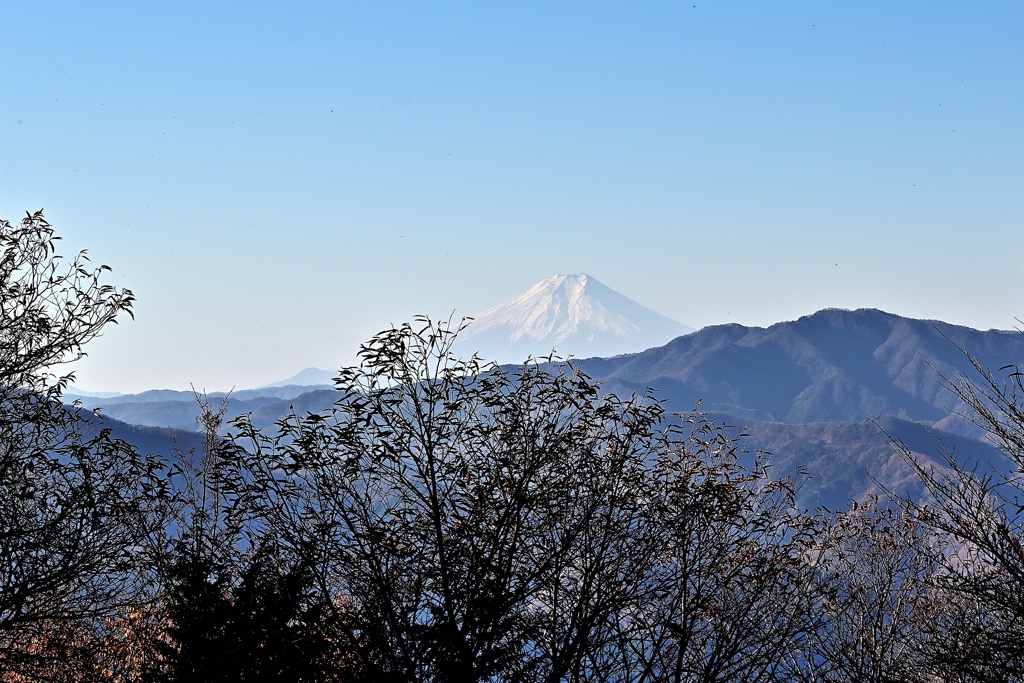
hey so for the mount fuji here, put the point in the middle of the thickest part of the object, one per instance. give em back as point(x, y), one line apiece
point(571, 314)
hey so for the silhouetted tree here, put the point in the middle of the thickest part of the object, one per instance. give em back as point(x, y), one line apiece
point(880, 604)
point(236, 605)
point(982, 509)
point(470, 522)
point(724, 595)
point(72, 500)
point(465, 522)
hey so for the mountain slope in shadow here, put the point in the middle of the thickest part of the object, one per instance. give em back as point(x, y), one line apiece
point(819, 393)
point(832, 366)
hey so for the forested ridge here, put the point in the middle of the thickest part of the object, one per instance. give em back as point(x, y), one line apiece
point(451, 520)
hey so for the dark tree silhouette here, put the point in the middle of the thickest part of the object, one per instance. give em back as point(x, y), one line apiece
point(879, 600)
point(727, 588)
point(466, 521)
point(236, 605)
point(72, 500)
point(982, 509)
point(469, 522)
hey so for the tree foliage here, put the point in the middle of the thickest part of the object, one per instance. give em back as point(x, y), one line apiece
point(982, 509)
point(235, 607)
point(70, 496)
point(725, 594)
point(879, 602)
point(472, 522)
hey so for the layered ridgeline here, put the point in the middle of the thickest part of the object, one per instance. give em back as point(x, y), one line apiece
point(571, 315)
point(820, 392)
point(825, 392)
point(832, 366)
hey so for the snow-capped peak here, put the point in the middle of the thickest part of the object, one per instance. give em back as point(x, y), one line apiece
point(572, 314)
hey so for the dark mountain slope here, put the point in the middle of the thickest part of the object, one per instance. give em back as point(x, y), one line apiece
point(833, 366)
point(181, 413)
point(809, 391)
point(159, 441)
point(845, 461)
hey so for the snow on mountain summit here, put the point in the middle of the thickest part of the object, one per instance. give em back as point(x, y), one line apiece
point(572, 314)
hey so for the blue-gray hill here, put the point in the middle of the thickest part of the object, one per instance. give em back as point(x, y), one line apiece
point(817, 392)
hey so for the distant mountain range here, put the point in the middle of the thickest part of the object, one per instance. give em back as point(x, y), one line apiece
point(178, 410)
point(832, 366)
point(820, 393)
point(824, 392)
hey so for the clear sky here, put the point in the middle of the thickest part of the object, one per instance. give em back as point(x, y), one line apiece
point(278, 181)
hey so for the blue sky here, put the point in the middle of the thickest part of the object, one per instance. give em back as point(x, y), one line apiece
point(277, 183)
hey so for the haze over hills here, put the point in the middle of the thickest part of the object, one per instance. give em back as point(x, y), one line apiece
point(816, 392)
point(833, 366)
point(573, 314)
point(310, 377)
